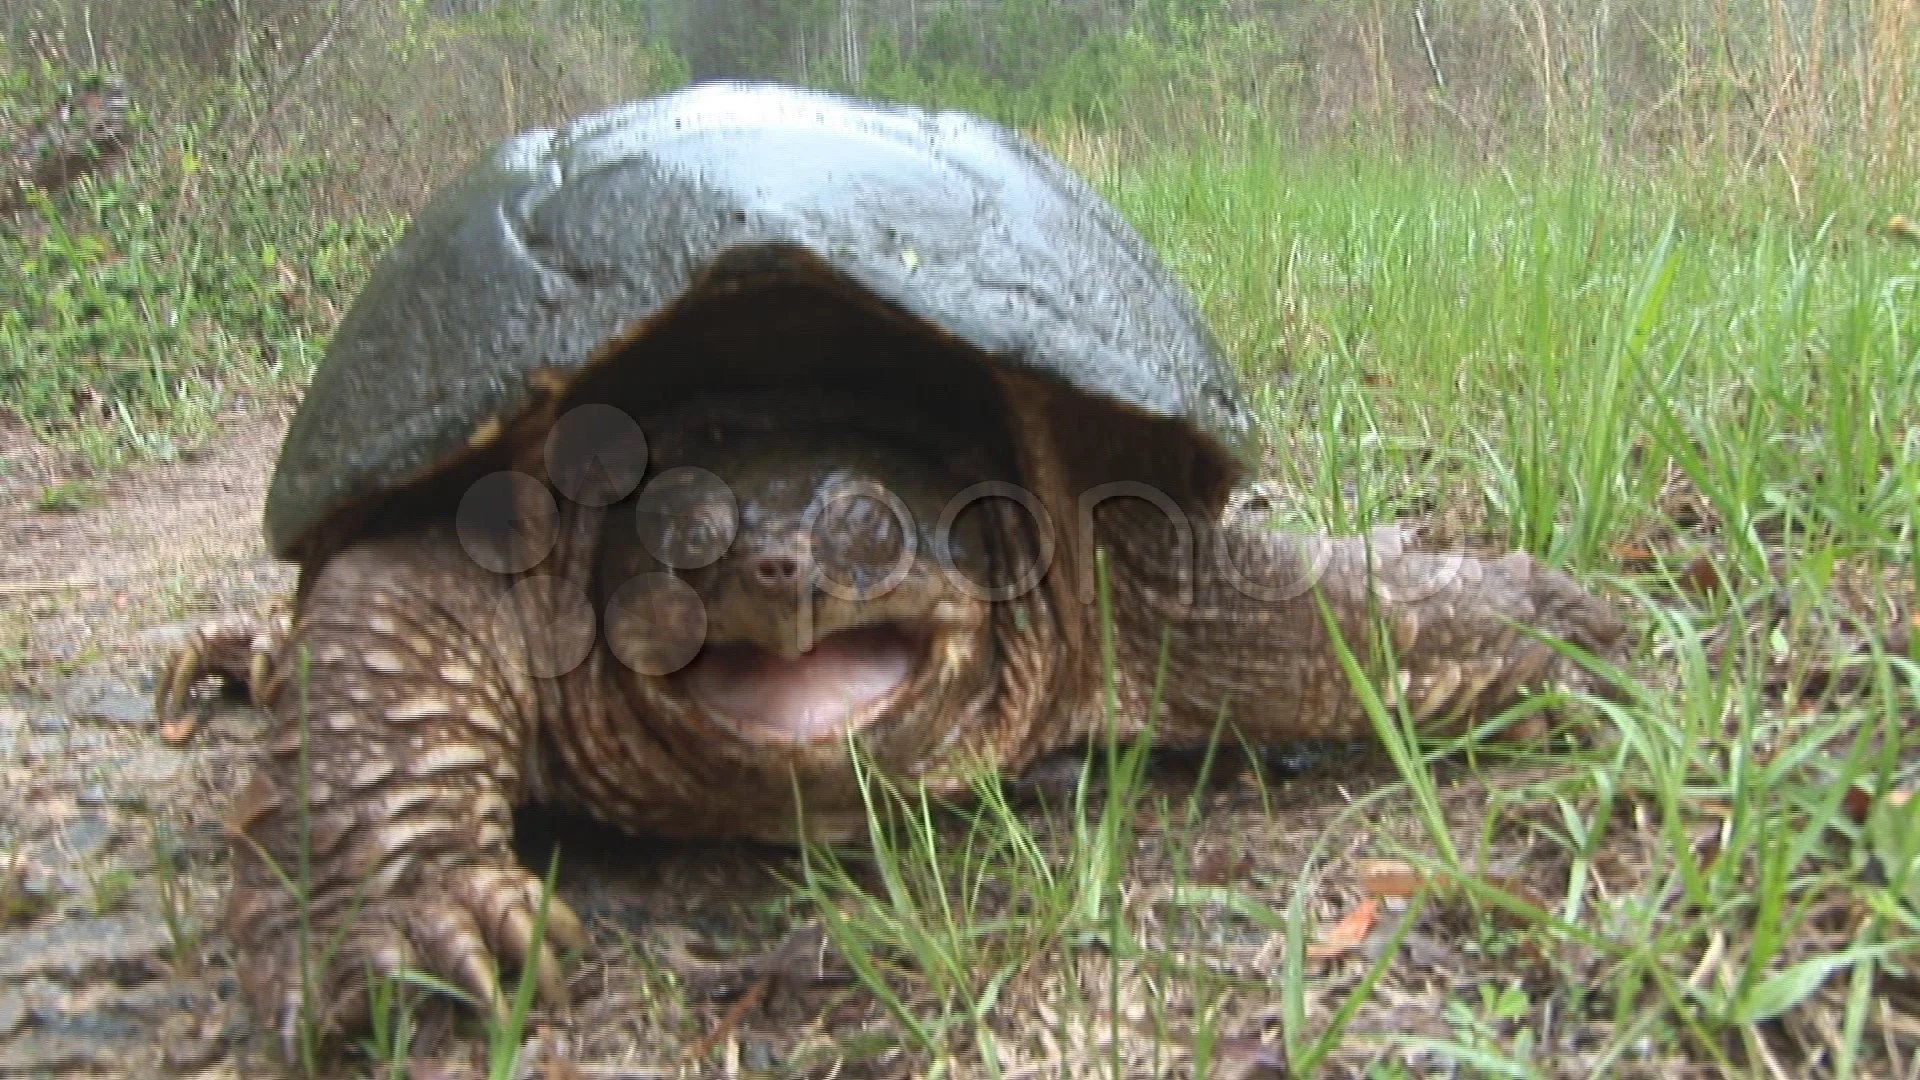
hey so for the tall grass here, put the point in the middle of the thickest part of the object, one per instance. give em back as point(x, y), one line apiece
point(1553, 347)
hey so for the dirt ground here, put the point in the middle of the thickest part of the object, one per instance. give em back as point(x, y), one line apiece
point(92, 979)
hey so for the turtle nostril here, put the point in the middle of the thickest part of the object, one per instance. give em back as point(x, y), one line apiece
point(776, 571)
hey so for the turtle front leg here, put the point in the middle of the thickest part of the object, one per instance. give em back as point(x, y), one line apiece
point(237, 651)
point(1246, 633)
point(375, 835)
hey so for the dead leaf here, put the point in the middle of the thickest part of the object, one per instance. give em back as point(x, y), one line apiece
point(179, 730)
point(1348, 934)
point(1857, 803)
point(1389, 878)
point(1633, 555)
point(1902, 227)
point(1700, 577)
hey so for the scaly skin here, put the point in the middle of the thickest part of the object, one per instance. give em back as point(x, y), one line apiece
point(1461, 631)
point(423, 728)
point(401, 728)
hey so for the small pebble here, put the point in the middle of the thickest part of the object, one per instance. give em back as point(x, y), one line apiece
point(91, 795)
point(48, 724)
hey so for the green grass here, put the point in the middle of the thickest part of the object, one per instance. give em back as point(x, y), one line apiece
point(138, 303)
point(1553, 346)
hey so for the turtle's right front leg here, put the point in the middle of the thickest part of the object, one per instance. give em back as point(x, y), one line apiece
point(375, 835)
point(237, 651)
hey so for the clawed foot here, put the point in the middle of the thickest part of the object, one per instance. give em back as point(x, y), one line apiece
point(1558, 607)
point(455, 930)
point(238, 651)
point(1498, 641)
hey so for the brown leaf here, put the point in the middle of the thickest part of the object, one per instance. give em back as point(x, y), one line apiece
point(1701, 577)
point(1902, 227)
point(1348, 934)
point(1857, 803)
point(1389, 877)
point(179, 730)
point(1633, 555)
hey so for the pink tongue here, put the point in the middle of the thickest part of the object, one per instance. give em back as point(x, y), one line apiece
point(810, 695)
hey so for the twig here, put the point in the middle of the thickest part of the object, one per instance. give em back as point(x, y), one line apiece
point(1426, 40)
point(730, 1020)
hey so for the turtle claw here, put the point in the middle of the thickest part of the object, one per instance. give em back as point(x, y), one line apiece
point(458, 932)
point(238, 651)
point(378, 950)
point(452, 947)
point(504, 906)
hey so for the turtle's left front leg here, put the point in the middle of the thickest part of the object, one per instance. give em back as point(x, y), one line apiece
point(1244, 628)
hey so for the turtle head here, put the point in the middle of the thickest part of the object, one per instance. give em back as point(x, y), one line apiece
point(823, 579)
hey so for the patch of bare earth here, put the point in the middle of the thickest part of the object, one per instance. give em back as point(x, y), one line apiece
point(112, 962)
point(110, 851)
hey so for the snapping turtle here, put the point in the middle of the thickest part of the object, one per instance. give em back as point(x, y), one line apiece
point(671, 452)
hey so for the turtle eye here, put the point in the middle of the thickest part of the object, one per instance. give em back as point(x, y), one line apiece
point(863, 536)
point(687, 518)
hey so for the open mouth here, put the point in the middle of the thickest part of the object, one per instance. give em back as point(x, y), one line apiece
point(847, 680)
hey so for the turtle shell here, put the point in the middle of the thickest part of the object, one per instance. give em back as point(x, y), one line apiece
point(558, 249)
